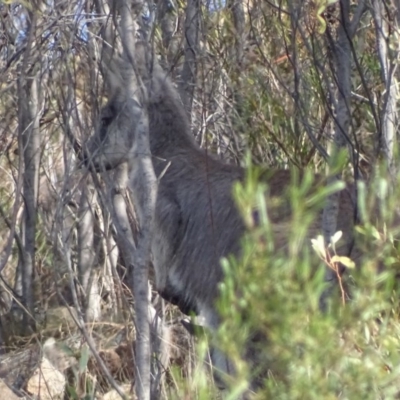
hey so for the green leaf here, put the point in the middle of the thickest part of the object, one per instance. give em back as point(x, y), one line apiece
point(346, 261)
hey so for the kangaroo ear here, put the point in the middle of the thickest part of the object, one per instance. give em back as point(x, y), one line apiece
point(112, 71)
point(141, 50)
point(145, 60)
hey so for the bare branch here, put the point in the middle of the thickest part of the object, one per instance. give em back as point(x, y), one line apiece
point(189, 72)
point(388, 64)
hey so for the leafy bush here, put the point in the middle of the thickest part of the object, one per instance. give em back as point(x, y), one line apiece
point(349, 351)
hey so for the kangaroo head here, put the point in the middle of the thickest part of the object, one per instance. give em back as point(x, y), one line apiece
point(114, 137)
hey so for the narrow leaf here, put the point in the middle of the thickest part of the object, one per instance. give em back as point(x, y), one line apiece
point(346, 261)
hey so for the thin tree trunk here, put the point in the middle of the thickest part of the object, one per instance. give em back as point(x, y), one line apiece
point(140, 173)
point(188, 79)
point(389, 117)
point(166, 11)
point(342, 57)
point(87, 273)
point(111, 253)
point(237, 11)
point(29, 141)
point(143, 181)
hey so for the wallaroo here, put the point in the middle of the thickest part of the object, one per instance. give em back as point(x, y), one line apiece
point(196, 221)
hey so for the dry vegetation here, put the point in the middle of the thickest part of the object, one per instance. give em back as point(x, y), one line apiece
point(267, 85)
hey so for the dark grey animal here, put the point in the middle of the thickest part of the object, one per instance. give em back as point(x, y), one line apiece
point(196, 221)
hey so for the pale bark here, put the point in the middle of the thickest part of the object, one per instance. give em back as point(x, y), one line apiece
point(88, 274)
point(29, 142)
point(5, 253)
point(143, 182)
point(388, 59)
point(138, 267)
point(167, 21)
point(342, 56)
point(111, 254)
point(239, 23)
point(159, 333)
point(125, 237)
point(237, 11)
point(187, 83)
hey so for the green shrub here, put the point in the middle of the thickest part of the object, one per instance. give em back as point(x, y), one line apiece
point(349, 351)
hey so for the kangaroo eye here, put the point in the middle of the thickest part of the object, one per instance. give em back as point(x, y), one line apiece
point(106, 121)
point(103, 128)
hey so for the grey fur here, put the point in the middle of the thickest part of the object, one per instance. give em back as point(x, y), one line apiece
point(197, 221)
